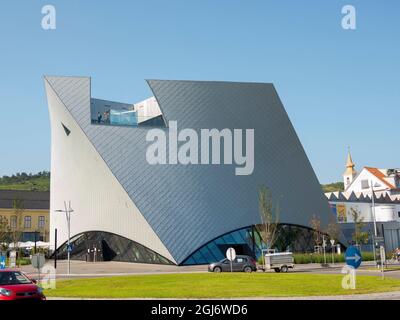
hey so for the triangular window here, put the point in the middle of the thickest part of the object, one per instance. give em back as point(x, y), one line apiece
point(67, 131)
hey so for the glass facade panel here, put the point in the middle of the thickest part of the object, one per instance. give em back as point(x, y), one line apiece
point(207, 254)
point(220, 241)
point(121, 114)
point(136, 253)
point(247, 236)
point(237, 237)
point(111, 247)
point(199, 258)
point(123, 118)
point(215, 250)
point(228, 239)
point(191, 261)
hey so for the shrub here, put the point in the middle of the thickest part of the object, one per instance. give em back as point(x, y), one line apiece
point(304, 258)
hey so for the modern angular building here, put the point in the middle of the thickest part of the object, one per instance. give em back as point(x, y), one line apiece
point(127, 209)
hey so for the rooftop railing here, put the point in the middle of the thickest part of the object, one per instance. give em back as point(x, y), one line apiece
point(127, 118)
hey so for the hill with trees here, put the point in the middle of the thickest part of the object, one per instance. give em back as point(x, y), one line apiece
point(332, 187)
point(41, 182)
point(24, 181)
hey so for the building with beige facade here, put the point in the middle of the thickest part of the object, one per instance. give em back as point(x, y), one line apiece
point(25, 213)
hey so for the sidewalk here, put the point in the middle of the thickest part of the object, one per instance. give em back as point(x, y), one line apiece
point(395, 295)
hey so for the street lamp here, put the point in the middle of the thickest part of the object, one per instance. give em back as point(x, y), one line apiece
point(68, 212)
point(373, 216)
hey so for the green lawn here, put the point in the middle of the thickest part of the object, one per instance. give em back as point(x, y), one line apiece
point(210, 285)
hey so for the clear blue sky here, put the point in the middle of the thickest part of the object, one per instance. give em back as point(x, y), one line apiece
point(339, 87)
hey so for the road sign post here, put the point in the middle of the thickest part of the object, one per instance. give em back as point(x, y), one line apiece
point(333, 249)
point(38, 260)
point(13, 259)
point(231, 255)
point(2, 261)
point(377, 243)
point(353, 257)
point(382, 257)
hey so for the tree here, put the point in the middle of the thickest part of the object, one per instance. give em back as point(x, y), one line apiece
point(332, 187)
point(18, 207)
point(333, 229)
point(26, 181)
point(359, 236)
point(287, 236)
point(315, 224)
point(17, 231)
point(269, 214)
point(4, 232)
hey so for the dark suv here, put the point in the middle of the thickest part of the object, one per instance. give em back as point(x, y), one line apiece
point(240, 264)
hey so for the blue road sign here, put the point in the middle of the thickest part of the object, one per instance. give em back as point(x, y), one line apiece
point(353, 257)
point(2, 262)
point(69, 248)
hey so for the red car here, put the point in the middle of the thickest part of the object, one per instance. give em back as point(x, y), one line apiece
point(14, 285)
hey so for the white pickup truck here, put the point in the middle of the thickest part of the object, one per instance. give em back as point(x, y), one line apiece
point(280, 262)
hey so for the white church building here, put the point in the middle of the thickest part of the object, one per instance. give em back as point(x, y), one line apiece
point(374, 194)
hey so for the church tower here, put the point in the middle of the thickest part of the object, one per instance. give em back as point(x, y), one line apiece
point(350, 173)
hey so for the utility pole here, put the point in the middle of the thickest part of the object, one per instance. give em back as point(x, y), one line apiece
point(55, 248)
point(373, 209)
point(374, 219)
point(68, 212)
point(253, 241)
point(35, 241)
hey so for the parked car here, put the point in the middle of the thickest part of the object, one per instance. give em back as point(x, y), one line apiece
point(14, 285)
point(240, 264)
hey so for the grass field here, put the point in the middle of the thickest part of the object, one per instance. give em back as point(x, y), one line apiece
point(210, 285)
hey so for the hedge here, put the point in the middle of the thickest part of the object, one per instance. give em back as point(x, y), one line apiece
point(304, 258)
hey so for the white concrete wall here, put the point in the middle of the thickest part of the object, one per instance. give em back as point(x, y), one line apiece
point(366, 175)
point(386, 213)
point(383, 212)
